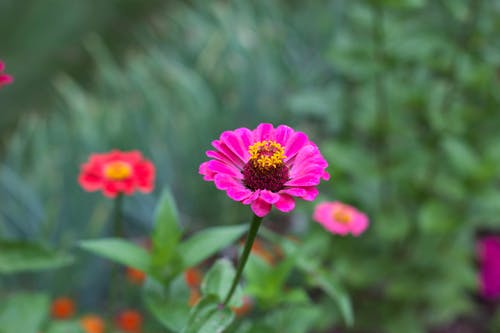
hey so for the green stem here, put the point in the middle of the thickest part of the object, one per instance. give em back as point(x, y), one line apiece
point(117, 216)
point(114, 288)
point(252, 233)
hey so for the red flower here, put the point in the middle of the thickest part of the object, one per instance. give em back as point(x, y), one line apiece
point(62, 308)
point(4, 78)
point(135, 276)
point(117, 172)
point(193, 277)
point(129, 321)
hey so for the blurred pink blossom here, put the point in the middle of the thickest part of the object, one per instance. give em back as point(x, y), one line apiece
point(4, 78)
point(489, 261)
point(339, 218)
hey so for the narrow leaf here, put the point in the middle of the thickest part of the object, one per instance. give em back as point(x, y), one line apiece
point(23, 312)
point(168, 304)
point(208, 242)
point(218, 281)
point(329, 284)
point(120, 251)
point(166, 232)
point(333, 289)
point(18, 256)
point(208, 317)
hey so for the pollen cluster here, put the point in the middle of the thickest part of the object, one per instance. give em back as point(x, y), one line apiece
point(342, 215)
point(117, 170)
point(266, 154)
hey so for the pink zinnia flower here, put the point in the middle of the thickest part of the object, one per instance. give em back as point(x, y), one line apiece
point(117, 172)
point(4, 78)
point(339, 218)
point(489, 261)
point(265, 167)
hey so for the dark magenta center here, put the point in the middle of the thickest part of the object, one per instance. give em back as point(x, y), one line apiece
point(272, 179)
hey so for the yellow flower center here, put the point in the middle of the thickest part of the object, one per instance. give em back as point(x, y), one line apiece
point(266, 154)
point(341, 215)
point(117, 170)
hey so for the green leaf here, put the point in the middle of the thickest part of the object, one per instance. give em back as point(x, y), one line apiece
point(166, 232)
point(293, 318)
point(23, 312)
point(208, 242)
point(436, 218)
point(218, 281)
point(65, 327)
point(329, 284)
point(267, 282)
point(120, 251)
point(208, 317)
point(18, 256)
point(168, 304)
point(338, 294)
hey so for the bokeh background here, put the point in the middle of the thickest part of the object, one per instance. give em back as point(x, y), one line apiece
point(402, 97)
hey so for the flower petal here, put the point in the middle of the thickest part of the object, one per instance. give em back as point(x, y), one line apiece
point(224, 182)
point(109, 189)
point(220, 167)
point(234, 142)
point(308, 193)
point(286, 203)
point(282, 134)
point(5, 79)
point(295, 143)
point(228, 152)
point(260, 207)
point(359, 224)
point(238, 193)
point(206, 172)
point(263, 132)
point(269, 197)
point(246, 137)
point(251, 198)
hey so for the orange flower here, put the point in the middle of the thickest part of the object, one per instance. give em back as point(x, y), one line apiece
point(260, 250)
point(193, 277)
point(194, 297)
point(92, 324)
point(129, 321)
point(244, 308)
point(62, 308)
point(135, 276)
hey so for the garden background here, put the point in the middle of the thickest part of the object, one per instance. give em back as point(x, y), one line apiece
point(401, 96)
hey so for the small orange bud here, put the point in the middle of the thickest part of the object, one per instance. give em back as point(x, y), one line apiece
point(135, 276)
point(92, 324)
point(62, 308)
point(193, 277)
point(244, 308)
point(260, 251)
point(129, 321)
point(194, 297)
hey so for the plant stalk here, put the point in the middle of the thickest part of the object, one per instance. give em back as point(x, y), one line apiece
point(115, 285)
point(252, 233)
point(117, 216)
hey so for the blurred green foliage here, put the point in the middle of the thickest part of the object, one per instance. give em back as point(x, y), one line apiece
point(41, 39)
point(400, 95)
